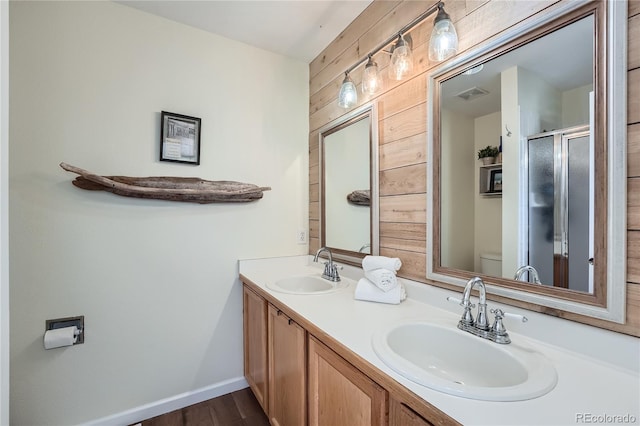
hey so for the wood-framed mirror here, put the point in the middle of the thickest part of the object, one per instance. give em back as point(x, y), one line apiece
point(349, 214)
point(550, 95)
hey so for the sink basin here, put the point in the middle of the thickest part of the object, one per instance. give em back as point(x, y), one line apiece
point(452, 361)
point(307, 284)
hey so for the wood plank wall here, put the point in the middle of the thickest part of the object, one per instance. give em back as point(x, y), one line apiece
point(402, 126)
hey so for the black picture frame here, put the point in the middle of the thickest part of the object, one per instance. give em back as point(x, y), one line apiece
point(180, 138)
point(495, 181)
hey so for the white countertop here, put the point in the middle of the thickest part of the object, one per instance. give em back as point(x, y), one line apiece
point(597, 370)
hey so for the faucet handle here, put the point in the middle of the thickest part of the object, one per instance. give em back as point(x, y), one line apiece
point(459, 302)
point(500, 313)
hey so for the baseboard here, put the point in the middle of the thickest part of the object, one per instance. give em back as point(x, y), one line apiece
point(172, 403)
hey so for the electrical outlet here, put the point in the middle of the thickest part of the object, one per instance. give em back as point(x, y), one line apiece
point(301, 236)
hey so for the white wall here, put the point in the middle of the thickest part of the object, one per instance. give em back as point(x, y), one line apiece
point(488, 210)
point(457, 205)
point(156, 280)
point(4, 213)
point(510, 168)
point(575, 106)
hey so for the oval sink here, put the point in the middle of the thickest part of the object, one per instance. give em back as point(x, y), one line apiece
point(307, 284)
point(449, 360)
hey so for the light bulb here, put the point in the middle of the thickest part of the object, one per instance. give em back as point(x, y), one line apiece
point(444, 39)
point(371, 78)
point(401, 63)
point(348, 95)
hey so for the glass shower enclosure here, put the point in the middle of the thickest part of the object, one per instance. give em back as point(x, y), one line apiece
point(559, 171)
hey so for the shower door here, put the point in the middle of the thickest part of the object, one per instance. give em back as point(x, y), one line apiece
point(559, 211)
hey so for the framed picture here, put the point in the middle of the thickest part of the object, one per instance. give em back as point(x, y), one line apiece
point(495, 181)
point(179, 138)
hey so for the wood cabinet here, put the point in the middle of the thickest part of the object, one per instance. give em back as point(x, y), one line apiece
point(300, 379)
point(402, 415)
point(255, 345)
point(339, 394)
point(287, 370)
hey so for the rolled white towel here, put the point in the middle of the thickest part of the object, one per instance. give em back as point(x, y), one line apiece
point(384, 279)
point(366, 290)
point(370, 263)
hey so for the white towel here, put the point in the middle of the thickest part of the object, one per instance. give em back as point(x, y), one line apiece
point(366, 290)
point(384, 279)
point(370, 263)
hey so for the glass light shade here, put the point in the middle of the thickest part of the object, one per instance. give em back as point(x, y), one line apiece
point(348, 95)
point(401, 64)
point(444, 40)
point(371, 78)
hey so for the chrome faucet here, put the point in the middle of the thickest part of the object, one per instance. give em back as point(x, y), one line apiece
point(533, 274)
point(480, 326)
point(480, 322)
point(330, 269)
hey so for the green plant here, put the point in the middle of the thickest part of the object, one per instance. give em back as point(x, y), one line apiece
point(489, 151)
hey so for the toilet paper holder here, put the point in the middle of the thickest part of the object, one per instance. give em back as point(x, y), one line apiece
point(78, 321)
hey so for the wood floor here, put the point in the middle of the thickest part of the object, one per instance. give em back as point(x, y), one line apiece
point(235, 409)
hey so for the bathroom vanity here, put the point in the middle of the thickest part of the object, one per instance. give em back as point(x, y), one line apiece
point(309, 358)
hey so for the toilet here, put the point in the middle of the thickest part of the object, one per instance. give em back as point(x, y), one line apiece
point(491, 264)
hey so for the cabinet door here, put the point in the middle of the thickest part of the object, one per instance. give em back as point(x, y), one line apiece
point(287, 371)
point(255, 345)
point(339, 394)
point(402, 415)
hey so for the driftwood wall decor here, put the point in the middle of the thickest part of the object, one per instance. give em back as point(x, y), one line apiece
point(360, 197)
point(191, 189)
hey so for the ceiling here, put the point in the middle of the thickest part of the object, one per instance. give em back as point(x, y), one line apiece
point(300, 29)
point(564, 59)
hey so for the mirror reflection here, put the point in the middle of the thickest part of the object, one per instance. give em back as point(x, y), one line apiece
point(517, 162)
point(347, 197)
point(347, 182)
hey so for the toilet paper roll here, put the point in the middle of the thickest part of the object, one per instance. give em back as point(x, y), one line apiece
point(60, 337)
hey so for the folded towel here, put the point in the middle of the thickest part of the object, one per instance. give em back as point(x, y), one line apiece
point(366, 290)
point(370, 263)
point(384, 279)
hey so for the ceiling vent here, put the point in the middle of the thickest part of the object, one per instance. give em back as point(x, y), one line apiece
point(473, 93)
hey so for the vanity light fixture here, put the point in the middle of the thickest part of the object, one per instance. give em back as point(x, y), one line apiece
point(371, 78)
point(348, 95)
point(443, 45)
point(401, 63)
point(444, 39)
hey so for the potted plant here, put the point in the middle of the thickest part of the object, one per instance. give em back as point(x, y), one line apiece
point(488, 154)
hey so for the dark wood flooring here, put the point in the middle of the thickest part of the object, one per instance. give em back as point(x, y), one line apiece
point(235, 409)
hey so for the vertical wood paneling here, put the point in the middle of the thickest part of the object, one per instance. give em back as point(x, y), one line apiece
point(392, 22)
point(404, 180)
point(633, 257)
point(633, 96)
point(314, 210)
point(633, 150)
point(314, 192)
point(409, 94)
point(634, 7)
point(633, 203)
point(633, 306)
point(403, 152)
point(367, 19)
point(403, 244)
point(633, 58)
point(407, 123)
point(407, 231)
point(402, 123)
point(314, 229)
point(404, 208)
